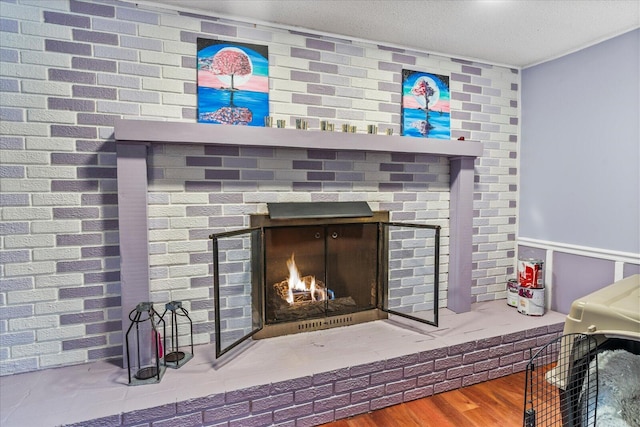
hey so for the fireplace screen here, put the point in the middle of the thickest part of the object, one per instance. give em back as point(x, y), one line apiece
point(289, 276)
point(312, 271)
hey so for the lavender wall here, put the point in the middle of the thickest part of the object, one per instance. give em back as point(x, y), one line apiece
point(579, 176)
point(70, 68)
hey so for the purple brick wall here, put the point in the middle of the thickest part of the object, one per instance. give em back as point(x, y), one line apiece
point(84, 63)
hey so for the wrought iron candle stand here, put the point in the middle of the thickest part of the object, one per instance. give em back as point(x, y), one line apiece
point(176, 357)
point(147, 345)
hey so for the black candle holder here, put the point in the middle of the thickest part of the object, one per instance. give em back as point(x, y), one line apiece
point(147, 345)
point(176, 357)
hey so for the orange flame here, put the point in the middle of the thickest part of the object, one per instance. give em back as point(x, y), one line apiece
point(296, 283)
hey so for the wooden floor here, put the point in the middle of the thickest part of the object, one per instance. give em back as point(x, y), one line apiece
point(497, 402)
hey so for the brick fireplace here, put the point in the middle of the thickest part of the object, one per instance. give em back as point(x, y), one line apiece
point(136, 139)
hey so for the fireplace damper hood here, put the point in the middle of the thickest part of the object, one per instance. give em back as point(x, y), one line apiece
point(319, 210)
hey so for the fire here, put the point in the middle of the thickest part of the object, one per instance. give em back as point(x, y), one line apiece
point(304, 286)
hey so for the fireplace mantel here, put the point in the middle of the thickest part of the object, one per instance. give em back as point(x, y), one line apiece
point(134, 136)
point(202, 133)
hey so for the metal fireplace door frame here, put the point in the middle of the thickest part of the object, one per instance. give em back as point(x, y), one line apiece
point(257, 237)
point(384, 281)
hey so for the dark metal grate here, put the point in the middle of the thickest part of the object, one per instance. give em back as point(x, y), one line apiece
point(561, 387)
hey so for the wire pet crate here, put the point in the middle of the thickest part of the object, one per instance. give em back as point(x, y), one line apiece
point(561, 389)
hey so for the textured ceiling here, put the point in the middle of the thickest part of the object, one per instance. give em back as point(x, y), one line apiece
point(516, 33)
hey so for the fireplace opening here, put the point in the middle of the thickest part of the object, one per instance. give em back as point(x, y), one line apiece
point(311, 266)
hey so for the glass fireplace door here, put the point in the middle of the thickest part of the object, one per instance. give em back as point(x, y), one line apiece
point(412, 256)
point(238, 299)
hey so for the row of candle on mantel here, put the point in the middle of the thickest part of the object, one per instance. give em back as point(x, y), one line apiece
point(324, 126)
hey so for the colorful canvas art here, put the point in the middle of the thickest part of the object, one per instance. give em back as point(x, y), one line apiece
point(233, 83)
point(425, 105)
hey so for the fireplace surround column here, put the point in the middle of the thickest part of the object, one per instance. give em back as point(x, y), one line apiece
point(134, 228)
point(461, 174)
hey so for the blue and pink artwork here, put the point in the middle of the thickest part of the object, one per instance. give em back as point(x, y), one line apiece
point(426, 107)
point(233, 83)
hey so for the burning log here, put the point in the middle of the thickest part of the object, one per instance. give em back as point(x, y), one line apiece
point(311, 309)
point(314, 290)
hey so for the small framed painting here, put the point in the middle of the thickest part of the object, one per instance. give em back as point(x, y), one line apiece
point(233, 82)
point(425, 105)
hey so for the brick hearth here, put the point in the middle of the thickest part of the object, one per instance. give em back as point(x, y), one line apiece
point(297, 380)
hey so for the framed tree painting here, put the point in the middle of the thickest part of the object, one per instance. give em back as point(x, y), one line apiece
point(233, 82)
point(425, 105)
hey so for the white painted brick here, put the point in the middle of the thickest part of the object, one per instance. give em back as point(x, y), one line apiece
point(162, 85)
point(150, 57)
point(291, 63)
point(52, 172)
point(278, 50)
point(31, 296)
point(185, 74)
point(51, 116)
point(294, 197)
point(15, 157)
point(50, 144)
point(170, 285)
point(56, 227)
point(189, 198)
point(188, 246)
point(364, 62)
point(24, 185)
point(24, 11)
point(59, 32)
point(378, 117)
point(19, 41)
point(161, 111)
point(59, 307)
point(362, 104)
point(289, 86)
point(330, 101)
point(291, 109)
point(61, 333)
point(168, 235)
point(40, 87)
point(34, 323)
point(63, 359)
point(376, 95)
point(288, 39)
point(201, 338)
point(172, 259)
point(196, 293)
point(159, 32)
point(45, 59)
point(179, 99)
point(278, 74)
point(56, 254)
point(37, 349)
point(24, 101)
point(56, 199)
point(25, 213)
point(197, 270)
point(29, 269)
point(377, 54)
point(52, 4)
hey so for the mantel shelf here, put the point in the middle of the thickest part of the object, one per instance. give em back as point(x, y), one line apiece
point(150, 131)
